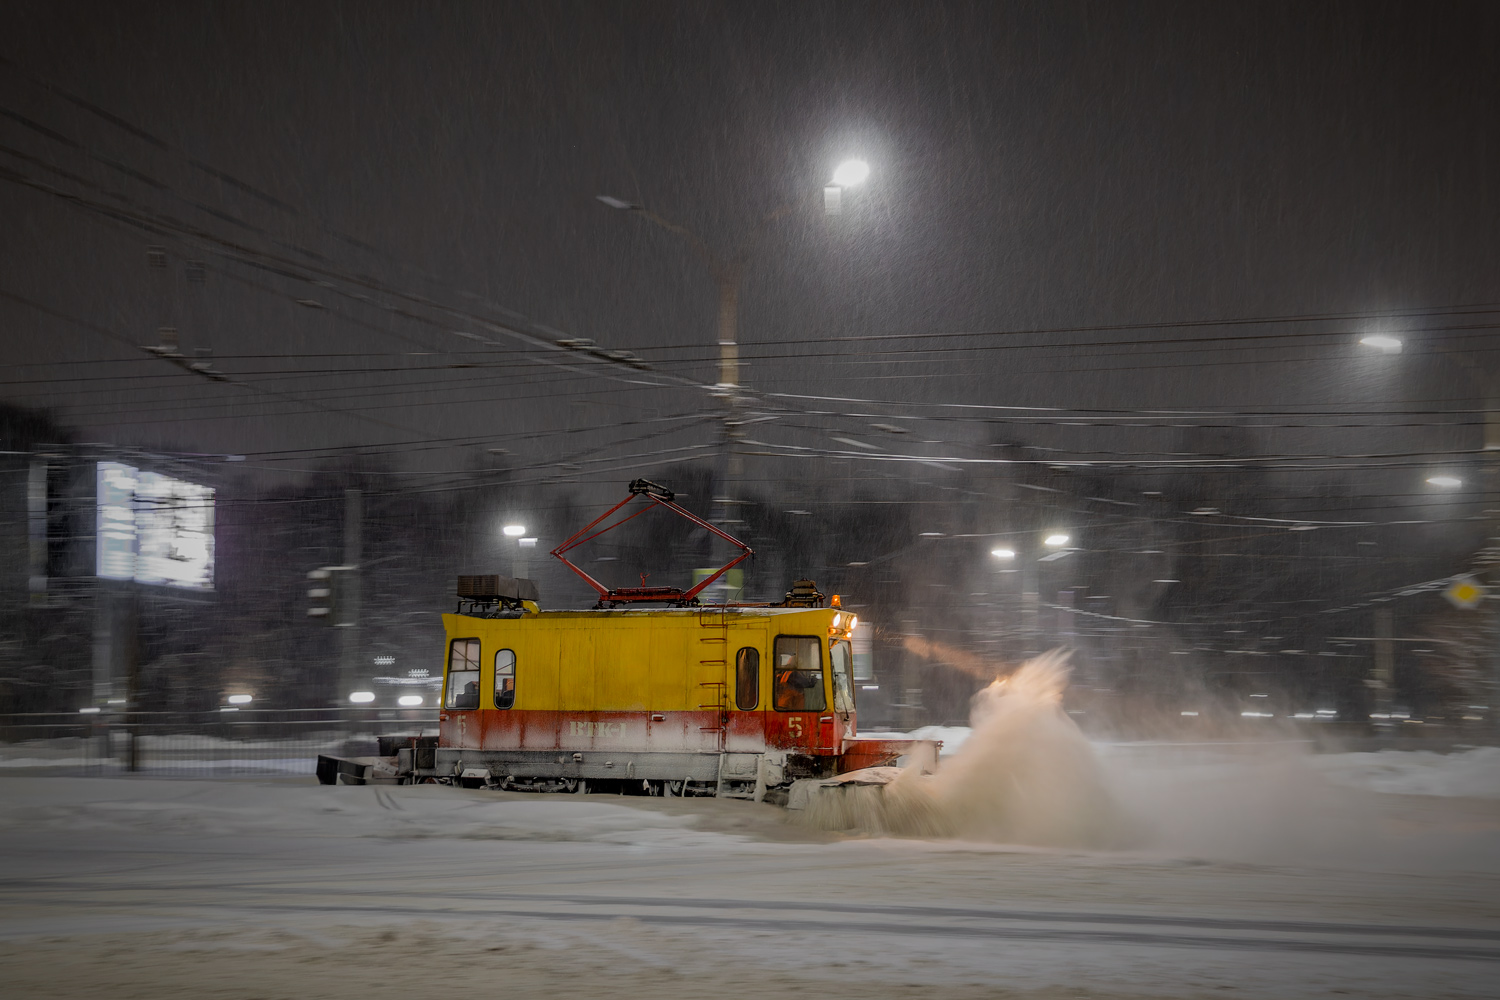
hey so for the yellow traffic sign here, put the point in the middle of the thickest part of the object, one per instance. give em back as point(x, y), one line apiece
point(1464, 594)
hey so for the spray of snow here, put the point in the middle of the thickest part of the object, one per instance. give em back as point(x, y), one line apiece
point(1026, 775)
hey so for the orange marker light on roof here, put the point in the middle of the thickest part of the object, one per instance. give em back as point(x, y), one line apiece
point(835, 602)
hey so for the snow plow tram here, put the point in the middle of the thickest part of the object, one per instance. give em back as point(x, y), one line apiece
point(690, 699)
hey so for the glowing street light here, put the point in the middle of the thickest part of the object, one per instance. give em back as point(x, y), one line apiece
point(1446, 482)
point(1382, 343)
point(1006, 554)
point(850, 173)
point(514, 530)
point(362, 697)
point(1054, 541)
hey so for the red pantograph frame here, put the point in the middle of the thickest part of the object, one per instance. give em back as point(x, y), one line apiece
point(662, 497)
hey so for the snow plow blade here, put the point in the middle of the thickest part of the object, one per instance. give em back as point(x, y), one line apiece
point(356, 770)
point(896, 757)
point(803, 790)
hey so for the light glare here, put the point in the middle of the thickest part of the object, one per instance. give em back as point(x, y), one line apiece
point(409, 700)
point(1448, 482)
point(362, 697)
point(1056, 540)
point(1003, 553)
point(514, 530)
point(239, 699)
point(1382, 343)
point(851, 172)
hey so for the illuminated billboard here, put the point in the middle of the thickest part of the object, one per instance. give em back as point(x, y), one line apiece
point(154, 529)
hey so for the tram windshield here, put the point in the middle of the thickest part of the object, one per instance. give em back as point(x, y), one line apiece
point(798, 681)
point(843, 676)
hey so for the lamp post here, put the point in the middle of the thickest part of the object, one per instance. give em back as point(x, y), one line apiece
point(727, 273)
point(1030, 569)
point(518, 565)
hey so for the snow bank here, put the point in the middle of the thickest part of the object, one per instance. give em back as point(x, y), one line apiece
point(1472, 773)
point(35, 762)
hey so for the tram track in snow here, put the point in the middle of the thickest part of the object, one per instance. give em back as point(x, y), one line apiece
point(1000, 925)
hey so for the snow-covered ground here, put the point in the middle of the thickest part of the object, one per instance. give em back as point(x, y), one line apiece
point(1251, 874)
point(174, 754)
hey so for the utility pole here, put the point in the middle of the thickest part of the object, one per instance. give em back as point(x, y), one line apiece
point(1067, 600)
point(726, 504)
point(1385, 667)
point(1487, 380)
point(1031, 597)
point(36, 530)
point(103, 659)
point(350, 665)
point(1491, 552)
point(727, 273)
point(131, 650)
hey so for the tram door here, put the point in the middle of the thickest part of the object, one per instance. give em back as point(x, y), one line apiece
point(747, 691)
point(797, 711)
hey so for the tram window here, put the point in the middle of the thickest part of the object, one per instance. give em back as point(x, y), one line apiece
point(843, 671)
point(799, 674)
point(505, 678)
point(463, 674)
point(747, 678)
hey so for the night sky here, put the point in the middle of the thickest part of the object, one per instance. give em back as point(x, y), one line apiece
point(1081, 207)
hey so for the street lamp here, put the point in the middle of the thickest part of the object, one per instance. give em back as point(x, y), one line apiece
point(1006, 555)
point(1382, 343)
point(514, 530)
point(850, 173)
point(1056, 540)
point(1446, 482)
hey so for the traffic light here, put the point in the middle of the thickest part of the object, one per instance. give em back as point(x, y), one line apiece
point(324, 591)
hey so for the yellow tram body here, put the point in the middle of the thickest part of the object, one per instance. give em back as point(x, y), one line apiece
point(744, 698)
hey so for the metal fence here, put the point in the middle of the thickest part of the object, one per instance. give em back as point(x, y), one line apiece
point(248, 742)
